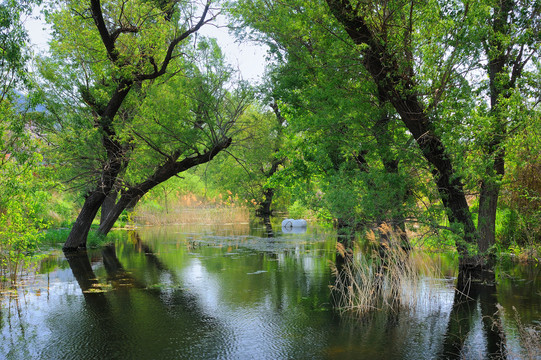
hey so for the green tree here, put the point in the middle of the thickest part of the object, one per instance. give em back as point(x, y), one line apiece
point(427, 61)
point(389, 48)
point(115, 51)
point(21, 182)
point(254, 156)
point(336, 119)
point(182, 123)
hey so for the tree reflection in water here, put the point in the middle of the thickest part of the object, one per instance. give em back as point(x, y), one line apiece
point(234, 296)
point(474, 301)
point(123, 310)
point(373, 282)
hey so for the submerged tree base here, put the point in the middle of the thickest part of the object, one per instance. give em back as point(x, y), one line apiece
point(475, 270)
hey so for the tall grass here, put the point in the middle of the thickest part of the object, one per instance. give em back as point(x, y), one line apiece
point(386, 277)
point(190, 209)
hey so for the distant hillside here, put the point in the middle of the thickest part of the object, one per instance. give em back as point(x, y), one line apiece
point(23, 105)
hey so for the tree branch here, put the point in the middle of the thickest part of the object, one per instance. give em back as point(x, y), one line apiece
point(106, 38)
point(169, 55)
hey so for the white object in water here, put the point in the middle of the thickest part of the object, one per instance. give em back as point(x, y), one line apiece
point(293, 223)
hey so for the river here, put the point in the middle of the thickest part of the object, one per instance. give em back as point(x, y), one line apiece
point(238, 292)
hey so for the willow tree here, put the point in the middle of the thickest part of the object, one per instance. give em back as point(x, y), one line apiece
point(182, 123)
point(114, 50)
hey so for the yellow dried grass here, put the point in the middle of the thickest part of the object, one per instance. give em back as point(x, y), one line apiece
point(189, 209)
point(386, 277)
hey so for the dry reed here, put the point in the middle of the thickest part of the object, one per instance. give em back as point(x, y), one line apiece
point(386, 277)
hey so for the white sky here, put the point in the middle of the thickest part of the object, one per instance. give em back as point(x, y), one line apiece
point(248, 58)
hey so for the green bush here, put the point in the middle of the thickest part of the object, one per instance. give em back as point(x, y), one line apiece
point(297, 210)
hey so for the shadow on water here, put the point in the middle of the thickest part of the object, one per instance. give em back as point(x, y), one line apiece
point(474, 329)
point(146, 311)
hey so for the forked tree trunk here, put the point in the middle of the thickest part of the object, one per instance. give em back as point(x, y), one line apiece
point(104, 121)
point(109, 171)
point(130, 196)
point(107, 224)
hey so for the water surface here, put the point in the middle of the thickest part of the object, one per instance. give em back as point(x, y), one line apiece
point(232, 292)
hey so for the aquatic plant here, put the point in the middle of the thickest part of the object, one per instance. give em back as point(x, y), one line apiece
point(385, 277)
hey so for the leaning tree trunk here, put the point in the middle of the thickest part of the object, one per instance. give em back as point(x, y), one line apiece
point(108, 203)
point(394, 79)
point(109, 172)
point(164, 172)
point(79, 232)
point(105, 116)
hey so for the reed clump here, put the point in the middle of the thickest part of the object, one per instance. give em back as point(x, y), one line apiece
point(386, 277)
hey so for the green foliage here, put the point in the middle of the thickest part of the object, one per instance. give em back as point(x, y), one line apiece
point(344, 158)
point(297, 211)
point(333, 144)
point(21, 204)
point(246, 167)
point(23, 186)
point(337, 149)
point(55, 236)
point(13, 38)
point(137, 102)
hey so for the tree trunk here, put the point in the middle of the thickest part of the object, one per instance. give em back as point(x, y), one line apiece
point(264, 209)
point(109, 171)
point(113, 215)
point(115, 149)
point(501, 79)
point(394, 79)
point(488, 204)
point(79, 232)
point(162, 173)
point(108, 204)
point(268, 226)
